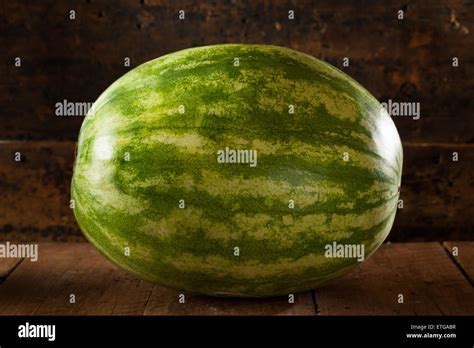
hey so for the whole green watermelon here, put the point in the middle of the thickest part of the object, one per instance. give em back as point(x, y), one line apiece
point(240, 170)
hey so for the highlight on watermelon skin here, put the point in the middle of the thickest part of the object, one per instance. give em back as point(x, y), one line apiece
point(237, 170)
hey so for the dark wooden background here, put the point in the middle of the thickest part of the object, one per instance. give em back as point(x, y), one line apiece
point(402, 60)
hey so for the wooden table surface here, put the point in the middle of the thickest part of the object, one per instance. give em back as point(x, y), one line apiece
point(431, 280)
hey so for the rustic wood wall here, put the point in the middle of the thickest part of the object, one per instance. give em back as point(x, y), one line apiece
point(408, 60)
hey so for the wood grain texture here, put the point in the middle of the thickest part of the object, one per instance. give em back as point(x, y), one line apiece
point(405, 60)
point(464, 258)
point(26, 288)
point(402, 60)
point(427, 277)
point(436, 192)
point(100, 288)
point(37, 190)
point(167, 302)
point(44, 287)
point(423, 273)
point(7, 266)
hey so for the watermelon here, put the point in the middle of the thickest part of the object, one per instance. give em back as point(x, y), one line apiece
point(237, 170)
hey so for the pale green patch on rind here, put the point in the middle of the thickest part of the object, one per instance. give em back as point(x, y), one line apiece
point(281, 230)
point(189, 143)
point(252, 269)
point(304, 96)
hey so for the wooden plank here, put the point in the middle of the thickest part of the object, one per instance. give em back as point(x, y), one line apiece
point(435, 192)
point(132, 296)
point(99, 287)
point(443, 209)
point(423, 273)
point(63, 269)
point(464, 257)
point(7, 265)
point(26, 288)
point(43, 175)
point(402, 60)
point(165, 301)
